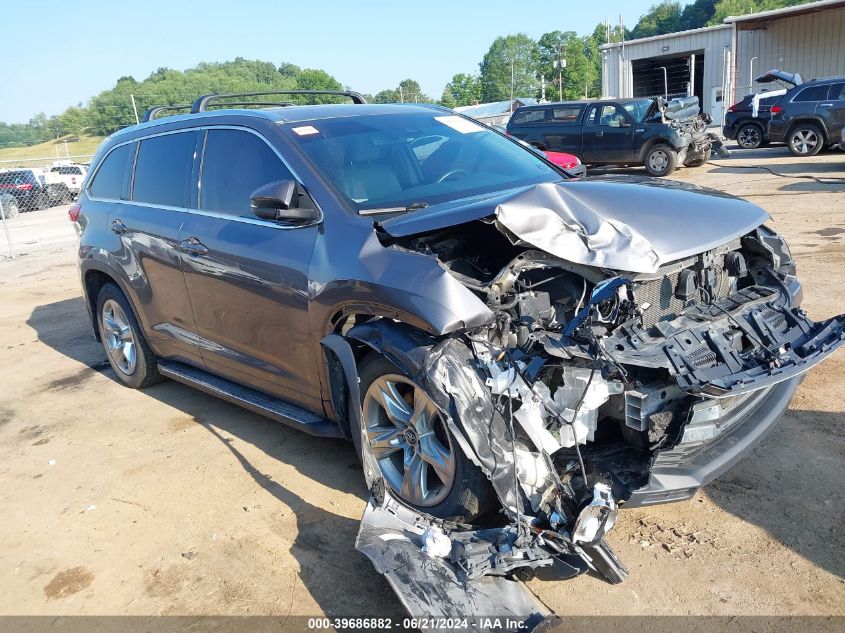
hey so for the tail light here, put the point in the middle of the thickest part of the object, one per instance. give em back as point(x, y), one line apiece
point(74, 211)
point(776, 109)
point(73, 180)
point(24, 187)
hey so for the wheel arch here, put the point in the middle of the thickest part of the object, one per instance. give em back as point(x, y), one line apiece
point(94, 277)
point(812, 120)
point(345, 347)
point(646, 148)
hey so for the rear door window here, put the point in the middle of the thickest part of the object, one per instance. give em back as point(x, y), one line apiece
point(812, 93)
point(837, 92)
point(163, 169)
point(108, 182)
point(236, 163)
point(529, 116)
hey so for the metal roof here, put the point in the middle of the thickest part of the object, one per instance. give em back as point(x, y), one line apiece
point(652, 38)
point(494, 108)
point(753, 20)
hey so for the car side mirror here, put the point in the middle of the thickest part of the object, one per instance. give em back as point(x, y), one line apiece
point(283, 201)
point(623, 122)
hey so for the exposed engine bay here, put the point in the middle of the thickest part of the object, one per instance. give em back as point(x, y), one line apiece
point(683, 115)
point(587, 381)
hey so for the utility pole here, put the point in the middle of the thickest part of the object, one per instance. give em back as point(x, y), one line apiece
point(134, 109)
point(542, 88)
point(512, 79)
point(401, 94)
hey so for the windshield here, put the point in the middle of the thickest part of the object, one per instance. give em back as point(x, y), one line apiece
point(639, 109)
point(395, 161)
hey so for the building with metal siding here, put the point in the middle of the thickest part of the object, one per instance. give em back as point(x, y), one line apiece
point(808, 39)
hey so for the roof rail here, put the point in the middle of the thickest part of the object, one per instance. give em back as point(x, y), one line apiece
point(153, 112)
point(201, 104)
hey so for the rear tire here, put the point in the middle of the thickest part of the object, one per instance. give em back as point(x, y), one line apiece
point(749, 136)
point(126, 348)
point(805, 139)
point(661, 160)
point(401, 455)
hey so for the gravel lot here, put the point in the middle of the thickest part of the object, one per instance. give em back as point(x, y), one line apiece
point(168, 501)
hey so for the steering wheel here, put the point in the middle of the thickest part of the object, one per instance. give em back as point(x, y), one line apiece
point(450, 173)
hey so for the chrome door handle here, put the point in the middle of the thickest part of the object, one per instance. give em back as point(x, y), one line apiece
point(193, 246)
point(118, 226)
point(599, 133)
point(830, 105)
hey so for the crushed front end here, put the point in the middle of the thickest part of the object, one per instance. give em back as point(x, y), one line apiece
point(691, 135)
point(592, 388)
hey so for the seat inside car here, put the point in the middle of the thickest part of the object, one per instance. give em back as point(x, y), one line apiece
point(368, 172)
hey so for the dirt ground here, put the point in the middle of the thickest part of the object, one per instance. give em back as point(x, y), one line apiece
point(168, 501)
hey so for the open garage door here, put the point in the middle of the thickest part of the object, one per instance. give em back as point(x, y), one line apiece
point(682, 73)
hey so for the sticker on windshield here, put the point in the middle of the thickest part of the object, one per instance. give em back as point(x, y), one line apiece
point(460, 124)
point(304, 130)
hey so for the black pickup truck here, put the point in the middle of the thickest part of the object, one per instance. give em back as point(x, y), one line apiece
point(653, 132)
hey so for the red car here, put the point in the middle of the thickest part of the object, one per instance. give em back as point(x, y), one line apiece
point(569, 162)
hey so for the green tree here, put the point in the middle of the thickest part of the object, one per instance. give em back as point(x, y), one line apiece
point(386, 96)
point(290, 71)
point(509, 68)
point(72, 121)
point(661, 18)
point(446, 99)
point(464, 89)
point(696, 14)
point(580, 73)
point(410, 91)
point(312, 79)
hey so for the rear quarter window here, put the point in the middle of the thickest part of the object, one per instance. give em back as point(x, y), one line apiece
point(108, 181)
point(529, 116)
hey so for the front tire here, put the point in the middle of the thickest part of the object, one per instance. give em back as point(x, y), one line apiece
point(126, 348)
point(749, 136)
point(11, 209)
point(805, 139)
point(661, 160)
point(419, 459)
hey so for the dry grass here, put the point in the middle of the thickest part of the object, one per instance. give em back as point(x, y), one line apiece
point(46, 153)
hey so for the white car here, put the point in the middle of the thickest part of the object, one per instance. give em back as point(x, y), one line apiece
point(71, 175)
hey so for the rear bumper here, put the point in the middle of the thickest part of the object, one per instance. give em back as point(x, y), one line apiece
point(676, 478)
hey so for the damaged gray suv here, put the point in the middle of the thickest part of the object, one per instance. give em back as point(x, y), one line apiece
point(514, 353)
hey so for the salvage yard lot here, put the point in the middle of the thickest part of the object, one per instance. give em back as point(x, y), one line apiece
point(168, 501)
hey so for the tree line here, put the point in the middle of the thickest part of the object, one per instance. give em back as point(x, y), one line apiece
point(515, 65)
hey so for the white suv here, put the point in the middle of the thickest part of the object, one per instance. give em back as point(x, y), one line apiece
point(71, 175)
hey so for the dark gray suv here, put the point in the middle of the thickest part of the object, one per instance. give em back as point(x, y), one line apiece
point(810, 116)
point(507, 348)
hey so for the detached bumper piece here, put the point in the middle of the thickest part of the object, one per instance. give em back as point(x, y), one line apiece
point(741, 343)
point(469, 579)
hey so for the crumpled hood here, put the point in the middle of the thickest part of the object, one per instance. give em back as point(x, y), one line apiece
point(628, 224)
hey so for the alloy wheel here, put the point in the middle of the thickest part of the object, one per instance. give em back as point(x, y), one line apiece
point(804, 141)
point(119, 337)
point(749, 137)
point(409, 440)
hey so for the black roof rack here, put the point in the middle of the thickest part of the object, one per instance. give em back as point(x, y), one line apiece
point(201, 104)
point(152, 113)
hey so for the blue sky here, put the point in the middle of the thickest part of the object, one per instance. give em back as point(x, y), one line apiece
point(72, 50)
